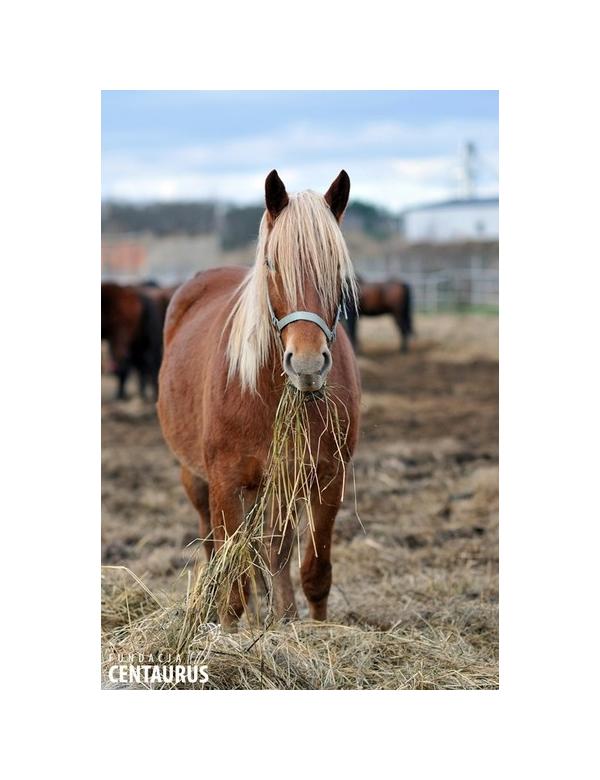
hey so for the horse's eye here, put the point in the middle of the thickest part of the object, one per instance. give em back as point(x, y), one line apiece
point(269, 263)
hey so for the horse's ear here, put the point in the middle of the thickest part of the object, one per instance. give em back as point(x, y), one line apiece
point(337, 195)
point(275, 195)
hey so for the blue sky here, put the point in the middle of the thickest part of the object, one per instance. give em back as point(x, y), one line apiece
point(400, 148)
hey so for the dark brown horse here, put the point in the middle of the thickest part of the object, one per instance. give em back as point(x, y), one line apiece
point(232, 337)
point(160, 295)
point(376, 298)
point(132, 322)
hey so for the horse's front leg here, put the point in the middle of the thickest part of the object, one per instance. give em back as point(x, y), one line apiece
point(142, 383)
point(280, 544)
point(197, 492)
point(228, 505)
point(121, 372)
point(316, 566)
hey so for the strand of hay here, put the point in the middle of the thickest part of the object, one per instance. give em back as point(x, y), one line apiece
point(285, 495)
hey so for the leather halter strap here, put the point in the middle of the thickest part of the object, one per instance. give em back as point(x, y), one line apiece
point(307, 316)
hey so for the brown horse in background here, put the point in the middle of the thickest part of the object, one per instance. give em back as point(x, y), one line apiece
point(376, 298)
point(161, 296)
point(231, 336)
point(132, 323)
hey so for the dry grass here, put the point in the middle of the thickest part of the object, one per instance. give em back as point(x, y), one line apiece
point(293, 656)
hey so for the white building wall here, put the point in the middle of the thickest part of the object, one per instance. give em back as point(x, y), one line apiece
point(452, 223)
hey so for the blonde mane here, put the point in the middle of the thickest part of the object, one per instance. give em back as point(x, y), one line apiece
point(304, 242)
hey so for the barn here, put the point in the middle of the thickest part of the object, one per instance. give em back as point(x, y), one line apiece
point(470, 219)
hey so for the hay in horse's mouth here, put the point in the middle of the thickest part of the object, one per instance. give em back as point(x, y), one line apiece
point(315, 395)
point(290, 481)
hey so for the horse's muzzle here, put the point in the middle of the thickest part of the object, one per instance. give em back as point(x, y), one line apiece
point(307, 372)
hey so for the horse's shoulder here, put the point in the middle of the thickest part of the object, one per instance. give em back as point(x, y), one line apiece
point(199, 290)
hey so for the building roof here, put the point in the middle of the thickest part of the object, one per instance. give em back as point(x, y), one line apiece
point(458, 202)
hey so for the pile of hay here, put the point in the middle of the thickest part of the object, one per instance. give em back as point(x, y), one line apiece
point(294, 656)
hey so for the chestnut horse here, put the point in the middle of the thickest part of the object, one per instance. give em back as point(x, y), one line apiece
point(233, 336)
point(376, 298)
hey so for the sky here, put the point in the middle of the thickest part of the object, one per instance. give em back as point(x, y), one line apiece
point(399, 148)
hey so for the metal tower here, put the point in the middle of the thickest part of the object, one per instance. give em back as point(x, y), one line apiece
point(468, 170)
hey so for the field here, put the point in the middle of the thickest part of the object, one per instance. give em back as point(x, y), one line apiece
point(414, 602)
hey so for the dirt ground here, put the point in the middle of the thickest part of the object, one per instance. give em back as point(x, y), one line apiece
point(426, 474)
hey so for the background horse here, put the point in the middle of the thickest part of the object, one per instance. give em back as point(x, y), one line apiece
point(375, 298)
point(230, 335)
point(132, 322)
point(160, 295)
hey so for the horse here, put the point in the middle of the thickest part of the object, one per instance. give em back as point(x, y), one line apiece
point(132, 322)
point(232, 337)
point(161, 296)
point(375, 298)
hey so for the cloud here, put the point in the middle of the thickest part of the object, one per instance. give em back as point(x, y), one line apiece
point(391, 163)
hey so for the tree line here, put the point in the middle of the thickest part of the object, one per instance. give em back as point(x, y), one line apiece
point(236, 225)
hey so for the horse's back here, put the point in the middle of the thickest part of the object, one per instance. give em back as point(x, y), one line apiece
point(198, 298)
point(382, 297)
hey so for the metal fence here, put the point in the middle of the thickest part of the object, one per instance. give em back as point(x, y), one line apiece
point(452, 289)
point(442, 279)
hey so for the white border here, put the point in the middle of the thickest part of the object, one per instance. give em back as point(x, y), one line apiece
point(56, 60)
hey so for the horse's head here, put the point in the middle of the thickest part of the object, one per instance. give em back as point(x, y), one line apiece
point(309, 273)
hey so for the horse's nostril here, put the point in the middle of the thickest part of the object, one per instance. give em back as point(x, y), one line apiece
point(326, 360)
point(287, 361)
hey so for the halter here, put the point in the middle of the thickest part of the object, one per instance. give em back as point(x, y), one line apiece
point(307, 316)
